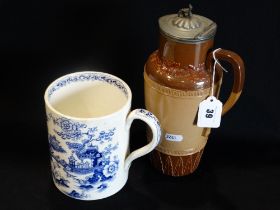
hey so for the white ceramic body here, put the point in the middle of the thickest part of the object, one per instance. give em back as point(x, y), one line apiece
point(90, 157)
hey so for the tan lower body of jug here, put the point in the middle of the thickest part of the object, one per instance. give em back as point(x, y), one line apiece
point(182, 141)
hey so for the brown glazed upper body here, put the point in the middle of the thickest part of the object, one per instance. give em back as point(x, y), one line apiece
point(180, 65)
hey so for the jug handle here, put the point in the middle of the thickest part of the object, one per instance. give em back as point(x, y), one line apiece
point(239, 74)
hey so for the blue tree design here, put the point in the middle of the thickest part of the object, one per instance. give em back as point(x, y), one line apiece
point(54, 144)
point(86, 157)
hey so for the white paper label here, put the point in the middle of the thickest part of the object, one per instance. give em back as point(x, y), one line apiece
point(209, 113)
point(173, 137)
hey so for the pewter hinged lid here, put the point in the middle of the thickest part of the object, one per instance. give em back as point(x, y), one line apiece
point(187, 27)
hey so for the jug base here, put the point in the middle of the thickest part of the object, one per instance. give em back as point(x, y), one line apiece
point(175, 165)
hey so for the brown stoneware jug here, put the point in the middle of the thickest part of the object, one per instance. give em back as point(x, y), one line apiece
point(177, 77)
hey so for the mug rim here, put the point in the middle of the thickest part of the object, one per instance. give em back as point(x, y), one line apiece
point(125, 106)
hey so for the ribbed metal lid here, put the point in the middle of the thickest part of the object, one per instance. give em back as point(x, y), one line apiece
point(187, 27)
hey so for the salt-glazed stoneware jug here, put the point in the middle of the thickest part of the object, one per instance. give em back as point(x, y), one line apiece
point(178, 77)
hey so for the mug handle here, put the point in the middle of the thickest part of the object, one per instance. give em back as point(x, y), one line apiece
point(239, 74)
point(153, 122)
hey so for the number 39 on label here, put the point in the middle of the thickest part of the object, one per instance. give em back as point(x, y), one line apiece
point(209, 113)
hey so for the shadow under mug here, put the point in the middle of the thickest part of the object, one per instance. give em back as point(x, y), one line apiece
point(88, 123)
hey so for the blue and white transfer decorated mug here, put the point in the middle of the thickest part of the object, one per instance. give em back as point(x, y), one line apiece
point(88, 119)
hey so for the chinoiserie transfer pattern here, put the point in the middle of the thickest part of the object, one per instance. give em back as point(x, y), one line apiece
point(83, 159)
